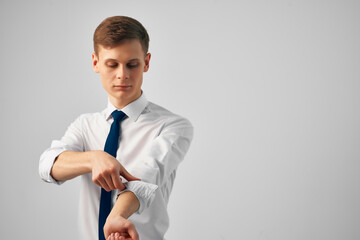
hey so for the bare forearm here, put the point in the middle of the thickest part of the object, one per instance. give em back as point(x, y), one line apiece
point(70, 164)
point(126, 204)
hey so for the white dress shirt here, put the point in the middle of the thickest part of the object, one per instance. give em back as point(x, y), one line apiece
point(153, 142)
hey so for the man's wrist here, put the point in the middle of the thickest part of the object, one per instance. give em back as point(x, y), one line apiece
point(91, 156)
point(89, 160)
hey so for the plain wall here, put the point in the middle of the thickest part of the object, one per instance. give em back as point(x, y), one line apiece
point(271, 87)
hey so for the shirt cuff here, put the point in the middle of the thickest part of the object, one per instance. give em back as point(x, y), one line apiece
point(145, 192)
point(45, 171)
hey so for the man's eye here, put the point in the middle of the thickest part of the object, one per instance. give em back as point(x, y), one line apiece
point(132, 65)
point(112, 65)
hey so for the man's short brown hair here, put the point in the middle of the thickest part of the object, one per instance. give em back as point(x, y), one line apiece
point(114, 30)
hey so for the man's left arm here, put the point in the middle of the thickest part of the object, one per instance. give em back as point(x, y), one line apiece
point(160, 160)
point(126, 204)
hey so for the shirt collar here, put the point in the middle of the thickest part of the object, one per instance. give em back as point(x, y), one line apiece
point(132, 110)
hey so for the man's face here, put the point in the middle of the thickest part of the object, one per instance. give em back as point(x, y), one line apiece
point(121, 71)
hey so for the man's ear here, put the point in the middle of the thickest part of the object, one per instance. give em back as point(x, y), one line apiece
point(147, 62)
point(95, 61)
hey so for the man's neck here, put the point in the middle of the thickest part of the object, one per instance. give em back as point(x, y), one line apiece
point(121, 103)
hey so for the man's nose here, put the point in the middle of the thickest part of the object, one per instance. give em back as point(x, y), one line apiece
point(122, 73)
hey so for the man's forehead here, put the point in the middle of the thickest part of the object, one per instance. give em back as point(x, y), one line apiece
point(129, 46)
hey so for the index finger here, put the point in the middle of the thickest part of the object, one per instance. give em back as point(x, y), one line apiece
point(117, 182)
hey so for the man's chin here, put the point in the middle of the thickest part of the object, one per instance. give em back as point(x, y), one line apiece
point(123, 98)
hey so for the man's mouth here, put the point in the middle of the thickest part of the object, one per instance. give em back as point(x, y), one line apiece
point(122, 86)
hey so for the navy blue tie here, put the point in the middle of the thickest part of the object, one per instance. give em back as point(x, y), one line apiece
point(111, 146)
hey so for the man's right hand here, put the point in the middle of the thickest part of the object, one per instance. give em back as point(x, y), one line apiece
point(106, 171)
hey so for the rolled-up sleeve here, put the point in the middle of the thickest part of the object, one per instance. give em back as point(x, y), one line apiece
point(160, 160)
point(145, 193)
point(71, 141)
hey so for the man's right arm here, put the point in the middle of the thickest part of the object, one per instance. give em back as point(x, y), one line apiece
point(66, 159)
point(105, 169)
point(70, 164)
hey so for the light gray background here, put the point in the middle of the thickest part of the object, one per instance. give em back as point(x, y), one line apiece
point(272, 88)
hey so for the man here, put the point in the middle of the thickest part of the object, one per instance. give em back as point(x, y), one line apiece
point(134, 157)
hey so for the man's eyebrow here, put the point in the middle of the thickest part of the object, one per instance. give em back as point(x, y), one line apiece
point(110, 59)
point(134, 59)
point(115, 60)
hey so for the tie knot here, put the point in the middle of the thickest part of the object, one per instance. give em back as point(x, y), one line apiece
point(118, 115)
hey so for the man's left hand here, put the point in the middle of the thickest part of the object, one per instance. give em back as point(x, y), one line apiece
point(119, 228)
